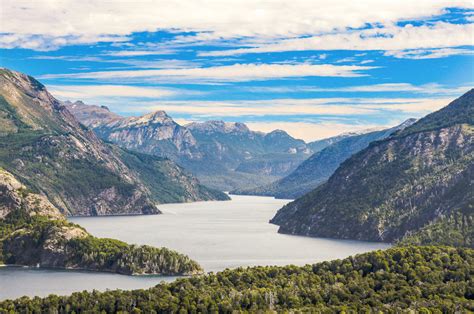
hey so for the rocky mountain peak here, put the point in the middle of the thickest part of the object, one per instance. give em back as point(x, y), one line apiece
point(218, 126)
point(159, 116)
point(12, 81)
point(278, 133)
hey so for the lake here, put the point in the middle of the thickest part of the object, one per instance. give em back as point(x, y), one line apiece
point(218, 235)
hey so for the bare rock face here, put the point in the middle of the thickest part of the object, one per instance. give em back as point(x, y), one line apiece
point(44, 145)
point(15, 199)
point(14, 195)
point(155, 133)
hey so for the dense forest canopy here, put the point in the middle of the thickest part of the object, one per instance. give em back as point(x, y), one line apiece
point(401, 279)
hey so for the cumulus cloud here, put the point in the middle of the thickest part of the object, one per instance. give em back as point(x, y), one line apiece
point(56, 21)
point(392, 38)
point(41, 42)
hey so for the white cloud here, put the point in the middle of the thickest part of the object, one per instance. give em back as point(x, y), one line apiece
point(48, 43)
point(428, 53)
point(231, 73)
point(392, 38)
point(431, 88)
point(284, 108)
point(54, 21)
point(135, 53)
point(96, 92)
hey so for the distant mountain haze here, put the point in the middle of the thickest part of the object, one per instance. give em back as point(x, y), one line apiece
point(223, 155)
point(321, 165)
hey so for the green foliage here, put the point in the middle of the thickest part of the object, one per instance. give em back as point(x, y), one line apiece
point(45, 148)
point(403, 279)
point(460, 111)
point(23, 237)
point(397, 186)
point(317, 168)
point(456, 229)
point(114, 255)
point(167, 182)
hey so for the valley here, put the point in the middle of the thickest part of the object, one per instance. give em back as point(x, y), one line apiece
point(379, 204)
point(219, 235)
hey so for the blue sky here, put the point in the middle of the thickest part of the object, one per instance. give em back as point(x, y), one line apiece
point(312, 68)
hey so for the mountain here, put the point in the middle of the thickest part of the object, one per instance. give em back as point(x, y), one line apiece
point(90, 115)
point(154, 133)
point(33, 232)
point(234, 156)
point(321, 165)
point(318, 145)
point(44, 146)
point(398, 280)
point(414, 186)
point(166, 181)
point(223, 155)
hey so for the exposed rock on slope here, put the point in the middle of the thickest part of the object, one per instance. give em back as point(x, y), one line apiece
point(44, 145)
point(222, 155)
point(321, 165)
point(34, 233)
point(420, 176)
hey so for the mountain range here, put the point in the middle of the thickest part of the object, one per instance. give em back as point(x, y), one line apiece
point(322, 164)
point(223, 155)
point(416, 186)
point(48, 150)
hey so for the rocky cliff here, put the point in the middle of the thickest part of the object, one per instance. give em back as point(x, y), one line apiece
point(33, 232)
point(418, 177)
point(43, 144)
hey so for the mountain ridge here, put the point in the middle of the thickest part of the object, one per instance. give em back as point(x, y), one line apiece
point(397, 186)
point(52, 153)
point(221, 154)
point(319, 166)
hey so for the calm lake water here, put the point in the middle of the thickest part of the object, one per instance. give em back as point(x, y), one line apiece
point(218, 235)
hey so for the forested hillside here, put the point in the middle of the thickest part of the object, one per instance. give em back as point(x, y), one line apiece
point(402, 279)
point(416, 184)
point(33, 232)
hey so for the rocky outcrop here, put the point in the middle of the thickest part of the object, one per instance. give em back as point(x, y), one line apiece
point(34, 233)
point(14, 195)
point(396, 186)
point(91, 116)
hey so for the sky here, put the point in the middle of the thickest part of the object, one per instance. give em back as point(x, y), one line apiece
point(314, 68)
